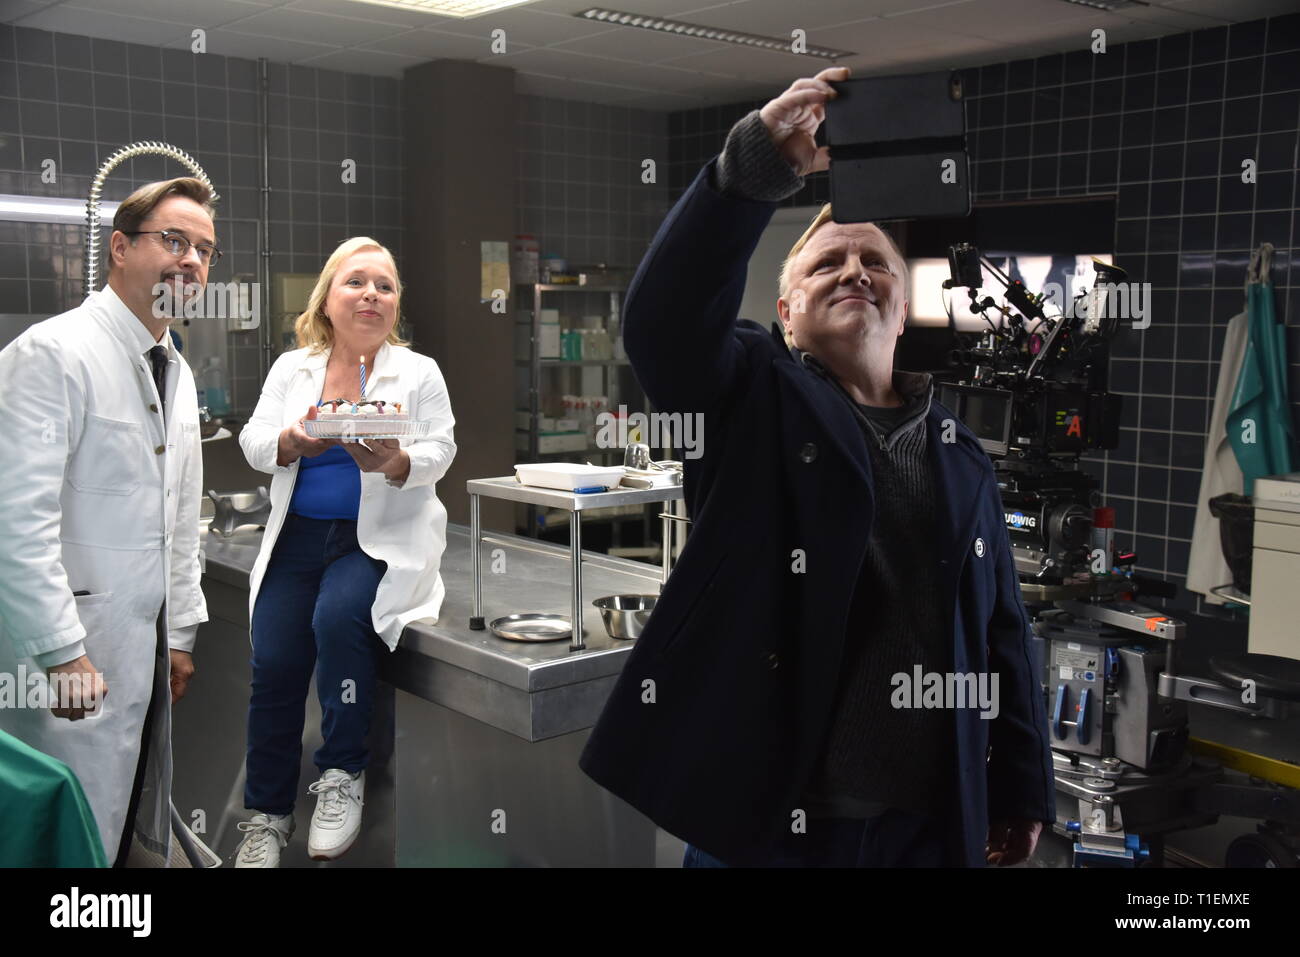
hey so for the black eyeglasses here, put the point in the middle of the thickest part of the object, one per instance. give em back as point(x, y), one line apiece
point(178, 244)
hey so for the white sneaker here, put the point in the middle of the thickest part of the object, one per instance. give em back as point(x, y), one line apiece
point(267, 834)
point(337, 820)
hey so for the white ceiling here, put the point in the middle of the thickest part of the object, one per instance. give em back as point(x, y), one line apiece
point(557, 54)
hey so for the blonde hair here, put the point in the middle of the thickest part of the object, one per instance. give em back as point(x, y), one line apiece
point(313, 328)
point(821, 219)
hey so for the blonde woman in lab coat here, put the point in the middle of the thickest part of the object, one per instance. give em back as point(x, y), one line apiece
point(351, 551)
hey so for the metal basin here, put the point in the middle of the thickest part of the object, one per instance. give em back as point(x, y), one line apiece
point(625, 616)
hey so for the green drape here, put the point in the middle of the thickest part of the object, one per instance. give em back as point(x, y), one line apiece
point(46, 818)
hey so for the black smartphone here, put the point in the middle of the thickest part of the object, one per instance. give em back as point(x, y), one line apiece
point(898, 148)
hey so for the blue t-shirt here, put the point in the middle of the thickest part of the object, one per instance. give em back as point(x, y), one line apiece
point(328, 486)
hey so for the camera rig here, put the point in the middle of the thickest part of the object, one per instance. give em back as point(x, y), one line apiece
point(1033, 388)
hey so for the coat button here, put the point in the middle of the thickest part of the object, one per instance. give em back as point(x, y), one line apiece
point(160, 450)
point(808, 452)
point(772, 661)
point(153, 406)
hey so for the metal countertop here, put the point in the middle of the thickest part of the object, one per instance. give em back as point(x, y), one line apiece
point(533, 690)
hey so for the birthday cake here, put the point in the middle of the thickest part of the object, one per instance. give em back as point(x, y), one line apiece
point(367, 419)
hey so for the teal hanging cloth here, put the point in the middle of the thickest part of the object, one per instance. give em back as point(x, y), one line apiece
point(1259, 416)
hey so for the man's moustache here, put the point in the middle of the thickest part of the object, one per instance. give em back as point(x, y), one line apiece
point(188, 285)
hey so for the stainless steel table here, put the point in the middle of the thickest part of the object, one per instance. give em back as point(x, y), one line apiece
point(508, 488)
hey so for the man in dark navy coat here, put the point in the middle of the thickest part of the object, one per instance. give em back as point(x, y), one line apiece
point(838, 670)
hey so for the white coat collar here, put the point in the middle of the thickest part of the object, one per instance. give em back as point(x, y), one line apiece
point(127, 328)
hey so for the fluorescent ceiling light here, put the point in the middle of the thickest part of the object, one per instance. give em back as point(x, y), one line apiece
point(50, 209)
point(463, 9)
point(682, 28)
point(1109, 4)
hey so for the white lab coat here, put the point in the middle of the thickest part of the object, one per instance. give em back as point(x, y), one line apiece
point(1206, 566)
point(405, 527)
point(103, 498)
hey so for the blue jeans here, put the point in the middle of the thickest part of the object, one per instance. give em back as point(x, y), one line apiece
point(892, 839)
point(312, 614)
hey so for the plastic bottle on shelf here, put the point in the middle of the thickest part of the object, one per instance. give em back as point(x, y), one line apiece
point(573, 345)
point(212, 380)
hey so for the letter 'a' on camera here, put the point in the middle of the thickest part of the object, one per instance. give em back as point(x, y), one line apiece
point(898, 148)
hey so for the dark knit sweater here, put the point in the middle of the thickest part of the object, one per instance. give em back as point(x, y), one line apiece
point(874, 756)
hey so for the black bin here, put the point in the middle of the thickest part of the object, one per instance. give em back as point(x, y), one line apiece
point(1236, 515)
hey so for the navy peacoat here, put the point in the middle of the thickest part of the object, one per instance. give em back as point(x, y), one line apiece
point(715, 724)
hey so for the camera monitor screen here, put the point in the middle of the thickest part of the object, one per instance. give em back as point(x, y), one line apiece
point(986, 412)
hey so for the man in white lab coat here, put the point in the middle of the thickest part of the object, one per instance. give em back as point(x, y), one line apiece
point(99, 550)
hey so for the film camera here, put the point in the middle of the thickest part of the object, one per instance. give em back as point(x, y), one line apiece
point(1032, 387)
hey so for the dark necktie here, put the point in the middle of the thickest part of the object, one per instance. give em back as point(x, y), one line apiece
point(158, 356)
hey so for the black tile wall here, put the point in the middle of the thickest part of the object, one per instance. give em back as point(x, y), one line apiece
point(76, 99)
point(1166, 125)
point(581, 176)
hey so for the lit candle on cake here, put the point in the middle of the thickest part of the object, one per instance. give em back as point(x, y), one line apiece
point(363, 377)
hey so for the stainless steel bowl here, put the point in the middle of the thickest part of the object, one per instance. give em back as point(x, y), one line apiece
point(625, 615)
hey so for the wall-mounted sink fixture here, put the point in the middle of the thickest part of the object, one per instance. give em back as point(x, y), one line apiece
point(92, 215)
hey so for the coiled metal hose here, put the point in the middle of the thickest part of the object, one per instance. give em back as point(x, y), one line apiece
point(143, 148)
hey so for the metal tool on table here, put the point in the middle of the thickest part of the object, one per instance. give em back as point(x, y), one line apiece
point(642, 472)
point(637, 456)
point(233, 510)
